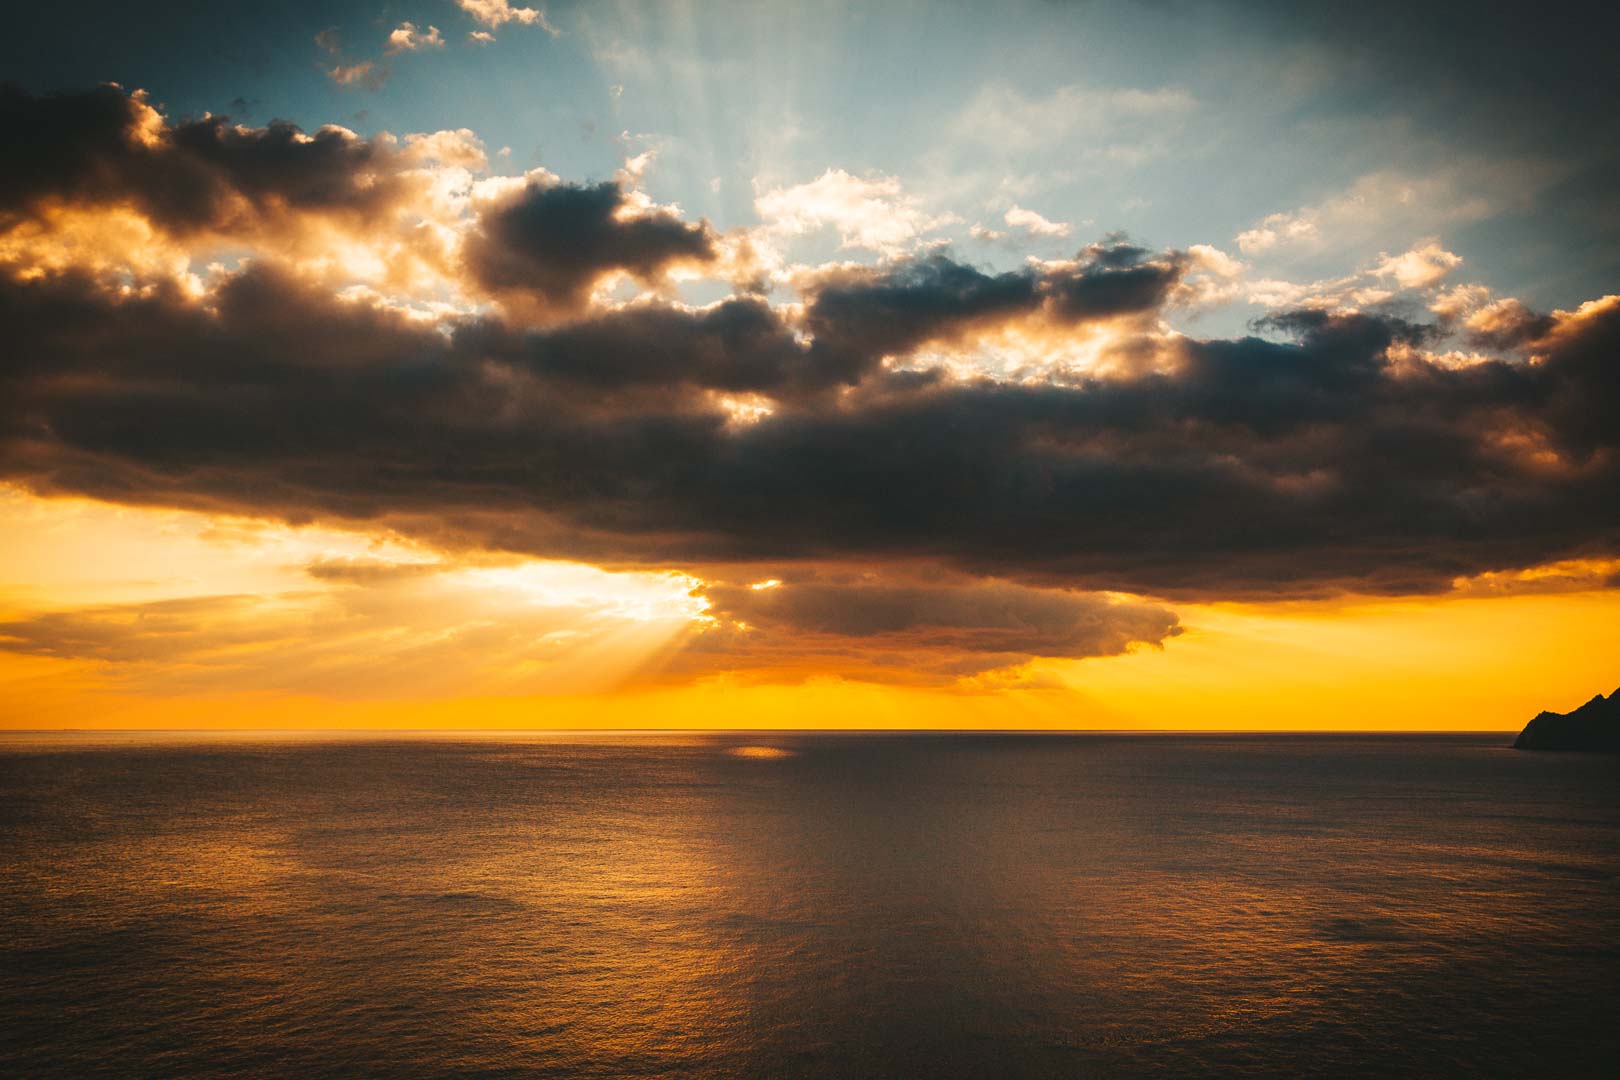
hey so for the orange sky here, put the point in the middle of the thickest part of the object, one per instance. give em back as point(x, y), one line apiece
point(563, 645)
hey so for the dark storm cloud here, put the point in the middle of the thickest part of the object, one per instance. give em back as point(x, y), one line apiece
point(555, 241)
point(1243, 467)
point(104, 147)
point(980, 617)
point(856, 318)
point(859, 316)
point(739, 345)
point(1583, 401)
point(1112, 279)
point(1507, 324)
point(353, 571)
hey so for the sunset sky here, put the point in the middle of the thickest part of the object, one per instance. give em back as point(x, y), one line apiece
point(457, 363)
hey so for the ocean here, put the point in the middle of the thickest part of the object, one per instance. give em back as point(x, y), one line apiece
point(770, 905)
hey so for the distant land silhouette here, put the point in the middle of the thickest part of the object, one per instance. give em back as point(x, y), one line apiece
point(1593, 726)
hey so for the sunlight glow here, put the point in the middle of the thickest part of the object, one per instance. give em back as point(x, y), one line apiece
point(642, 597)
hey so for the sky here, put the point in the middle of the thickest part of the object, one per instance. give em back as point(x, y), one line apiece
point(468, 364)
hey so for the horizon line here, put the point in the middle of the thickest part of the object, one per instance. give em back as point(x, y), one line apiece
point(751, 731)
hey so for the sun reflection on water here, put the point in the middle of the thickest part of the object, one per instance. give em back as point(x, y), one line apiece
point(761, 752)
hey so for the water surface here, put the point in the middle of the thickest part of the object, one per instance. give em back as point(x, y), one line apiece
point(779, 905)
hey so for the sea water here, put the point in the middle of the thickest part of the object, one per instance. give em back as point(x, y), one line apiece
point(767, 905)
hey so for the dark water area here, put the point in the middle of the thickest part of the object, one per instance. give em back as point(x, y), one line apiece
point(816, 905)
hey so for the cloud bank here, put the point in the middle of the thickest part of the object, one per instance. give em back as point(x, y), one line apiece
point(499, 364)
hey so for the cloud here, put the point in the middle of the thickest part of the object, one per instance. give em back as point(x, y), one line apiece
point(100, 180)
point(373, 631)
point(1420, 267)
point(1419, 270)
point(1246, 467)
point(375, 627)
point(863, 427)
point(106, 148)
point(1279, 228)
point(1033, 223)
point(365, 73)
point(1120, 125)
point(407, 38)
point(367, 571)
point(550, 243)
point(871, 213)
point(940, 629)
point(360, 73)
point(1377, 202)
point(858, 317)
point(1506, 324)
point(1111, 279)
point(497, 13)
point(1459, 300)
point(460, 148)
point(1215, 261)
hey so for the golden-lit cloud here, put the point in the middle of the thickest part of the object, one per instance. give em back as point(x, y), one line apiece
point(1422, 266)
point(497, 13)
point(406, 37)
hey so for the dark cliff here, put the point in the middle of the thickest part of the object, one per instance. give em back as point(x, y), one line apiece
point(1593, 726)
